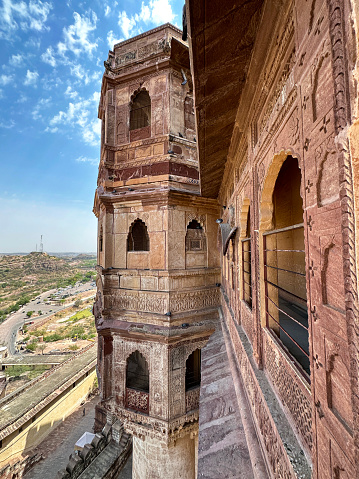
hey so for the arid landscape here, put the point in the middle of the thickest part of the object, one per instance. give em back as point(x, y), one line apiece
point(23, 277)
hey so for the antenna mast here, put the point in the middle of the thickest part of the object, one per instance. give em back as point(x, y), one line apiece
point(41, 246)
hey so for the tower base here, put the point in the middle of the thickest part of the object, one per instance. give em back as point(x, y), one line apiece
point(152, 459)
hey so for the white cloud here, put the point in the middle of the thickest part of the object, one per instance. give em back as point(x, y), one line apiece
point(48, 57)
point(23, 98)
point(156, 11)
point(144, 15)
point(161, 11)
point(71, 93)
point(84, 159)
point(7, 124)
point(107, 11)
point(6, 79)
point(31, 78)
point(1, 93)
point(112, 39)
point(77, 35)
point(16, 60)
point(37, 111)
point(82, 75)
point(51, 130)
point(18, 14)
point(79, 116)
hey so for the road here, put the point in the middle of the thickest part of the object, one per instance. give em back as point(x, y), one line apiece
point(9, 328)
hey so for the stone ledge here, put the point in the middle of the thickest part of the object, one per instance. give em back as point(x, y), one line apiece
point(279, 442)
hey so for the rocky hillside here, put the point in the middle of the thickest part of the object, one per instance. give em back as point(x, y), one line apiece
point(23, 277)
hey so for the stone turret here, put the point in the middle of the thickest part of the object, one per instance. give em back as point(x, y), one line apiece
point(157, 264)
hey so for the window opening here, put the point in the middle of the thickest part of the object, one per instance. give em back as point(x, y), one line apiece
point(193, 370)
point(101, 240)
point(195, 238)
point(138, 239)
point(137, 375)
point(247, 264)
point(284, 266)
point(140, 114)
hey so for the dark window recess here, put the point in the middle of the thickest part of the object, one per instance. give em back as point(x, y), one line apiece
point(0, 443)
point(193, 370)
point(138, 239)
point(247, 264)
point(101, 241)
point(195, 237)
point(284, 266)
point(137, 375)
point(140, 114)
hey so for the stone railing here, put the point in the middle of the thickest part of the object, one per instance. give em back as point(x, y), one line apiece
point(137, 400)
point(192, 399)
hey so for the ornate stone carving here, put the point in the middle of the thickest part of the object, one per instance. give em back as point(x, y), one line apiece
point(193, 300)
point(193, 216)
point(192, 399)
point(294, 397)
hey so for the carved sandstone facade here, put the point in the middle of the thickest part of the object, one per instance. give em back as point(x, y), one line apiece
point(285, 172)
point(276, 106)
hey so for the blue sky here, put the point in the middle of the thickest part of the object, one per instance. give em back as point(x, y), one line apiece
point(52, 55)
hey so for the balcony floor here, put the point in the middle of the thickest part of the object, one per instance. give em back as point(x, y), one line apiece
point(223, 450)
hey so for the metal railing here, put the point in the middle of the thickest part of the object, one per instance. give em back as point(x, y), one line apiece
point(285, 290)
point(247, 273)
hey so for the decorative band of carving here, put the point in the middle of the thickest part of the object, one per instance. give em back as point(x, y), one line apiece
point(150, 302)
point(191, 300)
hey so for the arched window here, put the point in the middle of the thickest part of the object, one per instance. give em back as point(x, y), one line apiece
point(247, 264)
point(138, 239)
point(195, 238)
point(140, 114)
point(193, 370)
point(137, 383)
point(284, 265)
point(100, 240)
point(137, 375)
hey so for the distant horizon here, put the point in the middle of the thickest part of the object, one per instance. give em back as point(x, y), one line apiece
point(94, 253)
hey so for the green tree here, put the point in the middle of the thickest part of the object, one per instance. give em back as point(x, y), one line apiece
point(30, 313)
point(77, 303)
point(42, 346)
point(32, 346)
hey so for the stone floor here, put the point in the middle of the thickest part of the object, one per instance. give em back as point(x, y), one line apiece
point(223, 449)
point(59, 445)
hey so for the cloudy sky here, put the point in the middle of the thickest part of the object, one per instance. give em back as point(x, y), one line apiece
point(52, 55)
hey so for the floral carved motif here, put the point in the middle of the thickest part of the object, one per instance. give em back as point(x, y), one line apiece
point(137, 400)
point(192, 399)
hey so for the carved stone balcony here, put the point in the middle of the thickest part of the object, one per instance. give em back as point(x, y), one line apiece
point(192, 399)
point(137, 400)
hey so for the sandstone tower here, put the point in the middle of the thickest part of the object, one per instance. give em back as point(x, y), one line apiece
point(157, 254)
